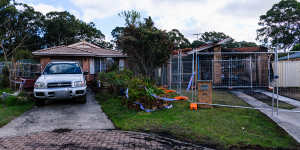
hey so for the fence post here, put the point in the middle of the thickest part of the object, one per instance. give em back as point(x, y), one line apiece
point(193, 76)
point(276, 79)
point(170, 72)
point(251, 71)
point(180, 71)
point(212, 72)
point(230, 73)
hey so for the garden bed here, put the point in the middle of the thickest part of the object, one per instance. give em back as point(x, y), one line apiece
point(221, 128)
point(293, 93)
point(268, 100)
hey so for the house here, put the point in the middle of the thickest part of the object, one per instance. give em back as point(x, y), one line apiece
point(289, 70)
point(91, 57)
point(225, 67)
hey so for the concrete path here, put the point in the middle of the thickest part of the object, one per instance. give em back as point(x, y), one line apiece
point(281, 98)
point(289, 121)
point(58, 115)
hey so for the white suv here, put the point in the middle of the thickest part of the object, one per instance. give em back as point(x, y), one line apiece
point(61, 80)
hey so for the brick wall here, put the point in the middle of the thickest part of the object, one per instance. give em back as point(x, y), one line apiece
point(217, 71)
point(44, 61)
point(262, 67)
point(86, 67)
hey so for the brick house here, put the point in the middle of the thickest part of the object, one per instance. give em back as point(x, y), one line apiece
point(91, 57)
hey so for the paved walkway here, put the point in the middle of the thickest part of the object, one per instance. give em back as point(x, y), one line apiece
point(289, 121)
point(281, 98)
point(59, 115)
point(93, 140)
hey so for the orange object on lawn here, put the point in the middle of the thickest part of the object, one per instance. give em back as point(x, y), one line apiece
point(193, 106)
point(181, 98)
point(169, 91)
point(162, 88)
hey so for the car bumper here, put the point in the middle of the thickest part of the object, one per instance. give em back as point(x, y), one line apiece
point(59, 93)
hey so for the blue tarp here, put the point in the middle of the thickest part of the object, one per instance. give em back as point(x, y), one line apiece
point(157, 97)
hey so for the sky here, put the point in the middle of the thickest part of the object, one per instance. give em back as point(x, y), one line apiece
point(236, 18)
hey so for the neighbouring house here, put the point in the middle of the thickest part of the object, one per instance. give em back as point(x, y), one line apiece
point(225, 67)
point(91, 57)
point(289, 70)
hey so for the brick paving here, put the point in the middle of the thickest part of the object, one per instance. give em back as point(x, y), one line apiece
point(65, 139)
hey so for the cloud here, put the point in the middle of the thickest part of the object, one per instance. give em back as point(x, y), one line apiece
point(246, 8)
point(98, 9)
point(45, 8)
point(237, 18)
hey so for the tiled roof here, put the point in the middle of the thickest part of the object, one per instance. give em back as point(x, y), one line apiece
point(248, 49)
point(200, 48)
point(78, 49)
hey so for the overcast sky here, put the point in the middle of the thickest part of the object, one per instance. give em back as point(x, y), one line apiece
point(236, 18)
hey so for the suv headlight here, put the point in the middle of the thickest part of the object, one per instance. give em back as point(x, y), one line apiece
point(39, 85)
point(79, 84)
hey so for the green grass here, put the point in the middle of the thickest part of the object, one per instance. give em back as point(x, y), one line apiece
point(12, 107)
point(221, 97)
point(8, 113)
point(7, 90)
point(218, 127)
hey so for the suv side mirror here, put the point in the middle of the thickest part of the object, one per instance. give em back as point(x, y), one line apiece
point(85, 73)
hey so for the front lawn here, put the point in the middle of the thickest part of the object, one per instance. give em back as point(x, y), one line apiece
point(217, 128)
point(11, 112)
point(12, 107)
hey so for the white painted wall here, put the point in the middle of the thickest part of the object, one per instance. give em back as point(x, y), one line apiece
point(289, 73)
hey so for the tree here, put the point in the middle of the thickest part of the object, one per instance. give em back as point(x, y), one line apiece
point(213, 37)
point(147, 46)
point(178, 39)
point(131, 17)
point(296, 48)
point(280, 26)
point(116, 34)
point(18, 27)
point(240, 44)
point(197, 43)
point(63, 28)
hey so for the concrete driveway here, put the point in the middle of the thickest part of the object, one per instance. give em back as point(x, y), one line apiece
point(59, 115)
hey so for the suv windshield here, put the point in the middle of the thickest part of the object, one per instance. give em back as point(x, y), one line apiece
point(62, 68)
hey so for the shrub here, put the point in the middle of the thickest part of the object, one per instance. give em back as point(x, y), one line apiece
point(136, 87)
point(14, 100)
point(118, 79)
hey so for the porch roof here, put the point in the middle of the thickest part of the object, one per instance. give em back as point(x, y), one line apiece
point(82, 48)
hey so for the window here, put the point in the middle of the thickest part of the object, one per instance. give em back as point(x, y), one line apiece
point(100, 65)
point(62, 68)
